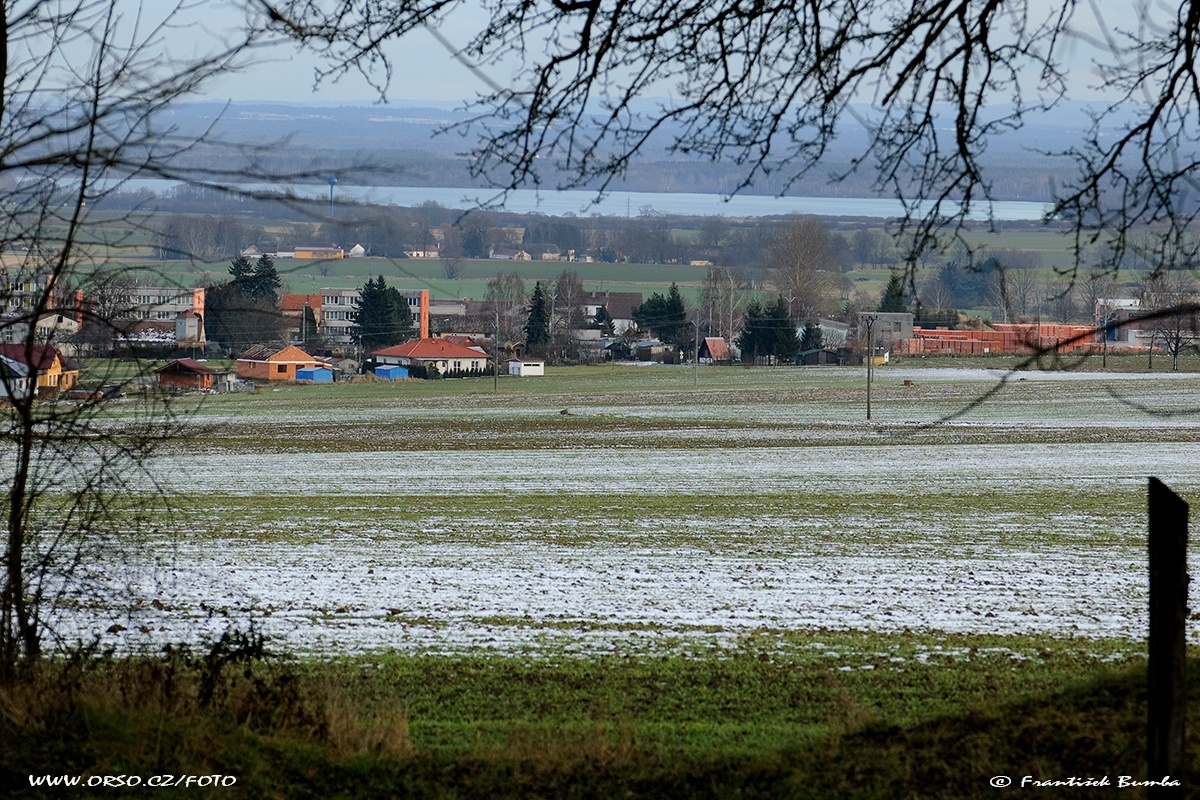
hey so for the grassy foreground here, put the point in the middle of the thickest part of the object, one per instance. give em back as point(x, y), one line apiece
point(746, 725)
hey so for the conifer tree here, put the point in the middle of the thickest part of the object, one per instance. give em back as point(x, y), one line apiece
point(537, 327)
point(811, 337)
point(263, 283)
point(892, 301)
point(382, 318)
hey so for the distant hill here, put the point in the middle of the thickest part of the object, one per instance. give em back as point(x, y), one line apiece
point(418, 144)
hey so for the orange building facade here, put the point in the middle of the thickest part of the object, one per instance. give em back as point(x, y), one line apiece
point(270, 363)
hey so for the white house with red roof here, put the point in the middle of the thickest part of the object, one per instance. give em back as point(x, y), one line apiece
point(447, 357)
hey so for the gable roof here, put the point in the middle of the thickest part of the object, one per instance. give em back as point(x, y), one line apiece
point(275, 352)
point(619, 305)
point(431, 349)
point(186, 365)
point(718, 350)
point(43, 355)
point(11, 369)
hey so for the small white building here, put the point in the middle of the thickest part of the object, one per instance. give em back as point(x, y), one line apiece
point(526, 367)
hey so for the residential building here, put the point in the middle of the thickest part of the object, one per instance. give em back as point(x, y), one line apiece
point(338, 307)
point(448, 358)
point(54, 372)
point(618, 305)
point(14, 380)
point(714, 350)
point(303, 313)
point(161, 313)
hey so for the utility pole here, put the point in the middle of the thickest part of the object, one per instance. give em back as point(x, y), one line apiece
point(332, 182)
point(696, 355)
point(870, 322)
point(496, 355)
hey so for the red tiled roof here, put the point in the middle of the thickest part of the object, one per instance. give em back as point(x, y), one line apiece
point(718, 350)
point(43, 354)
point(296, 302)
point(430, 348)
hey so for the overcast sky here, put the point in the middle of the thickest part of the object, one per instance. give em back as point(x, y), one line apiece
point(426, 71)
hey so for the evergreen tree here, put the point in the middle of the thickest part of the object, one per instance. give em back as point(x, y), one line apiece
point(768, 331)
point(382, 318)
point(665, 316)
point(537, 327)
point(240, 268)
point(603, 321)
point(893, 296)
point(784, 343)
point(263, 283)
point(811, 336)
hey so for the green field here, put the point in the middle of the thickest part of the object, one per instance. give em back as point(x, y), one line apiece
point(640, 582)
point(1050, 245)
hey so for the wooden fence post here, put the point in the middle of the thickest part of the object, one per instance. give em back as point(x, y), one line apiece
point(1166, 671)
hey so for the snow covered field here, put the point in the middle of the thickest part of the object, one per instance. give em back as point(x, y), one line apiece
point(711, 517)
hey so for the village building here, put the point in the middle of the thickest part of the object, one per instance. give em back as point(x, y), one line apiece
point(618, 306)
point(339, 306)
point(509, 254)
point(14, 380)
point(303, 315)
point(186, 374)
point(272, 362)
point(526, 367)
point(322, 252)
point(54, 373)
point(440, 355)
point(714, 350)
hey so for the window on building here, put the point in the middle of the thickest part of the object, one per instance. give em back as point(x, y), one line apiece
point(281, 369)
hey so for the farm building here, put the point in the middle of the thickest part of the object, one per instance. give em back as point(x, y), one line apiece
point(320, 374)
point(185, 374)
point(526, 367)
point(447, 358)
point(318, 251)
point(391, 372)
point(266, 362)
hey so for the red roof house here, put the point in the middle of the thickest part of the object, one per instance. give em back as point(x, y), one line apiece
point(445, 356)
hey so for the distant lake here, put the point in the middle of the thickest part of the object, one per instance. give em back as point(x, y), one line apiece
point(620, 204)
